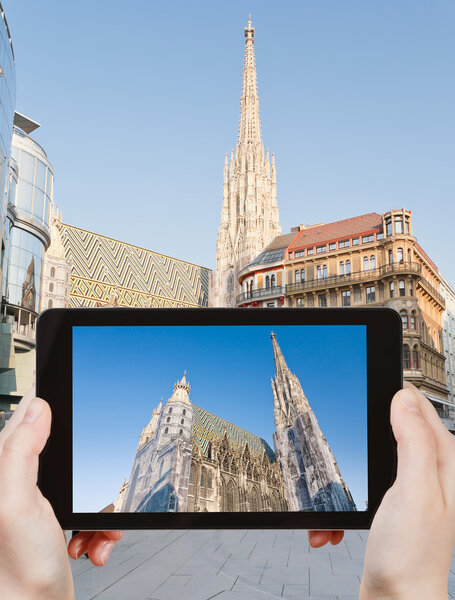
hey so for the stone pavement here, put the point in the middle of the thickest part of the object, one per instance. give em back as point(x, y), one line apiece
point(226, 565)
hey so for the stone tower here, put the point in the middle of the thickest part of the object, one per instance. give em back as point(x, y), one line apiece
point(56, 269)
point(249, 214)
point(161, 469)
point(312, 480)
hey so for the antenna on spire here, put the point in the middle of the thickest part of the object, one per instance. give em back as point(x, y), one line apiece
point(249, 21)
point(249, 31)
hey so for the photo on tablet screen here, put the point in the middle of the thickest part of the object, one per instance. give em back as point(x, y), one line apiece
point(220, 418)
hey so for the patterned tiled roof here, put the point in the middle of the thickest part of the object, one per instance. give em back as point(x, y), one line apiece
point(102, 267)
point(208, 427)
point(320, 234)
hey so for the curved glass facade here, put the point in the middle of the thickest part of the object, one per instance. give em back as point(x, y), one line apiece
point(26, 256)
point(34, 187)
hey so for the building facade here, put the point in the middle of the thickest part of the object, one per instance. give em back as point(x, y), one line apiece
point(370, 260)
point(249, 214)
point(448, 334)
point(191, 460)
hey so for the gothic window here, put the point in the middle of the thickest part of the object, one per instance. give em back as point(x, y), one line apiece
point(168, 419)
point(202, 482)
point(170, 410)
point(166, 430)
point(348, 267)
point(401, 287)
point(147, 439)
point(49, 304)
point(230, 497)
point(182, 421)
point(272, 279)
point(297, 276)
point(209, 480)
point(180, 431)
point(392, 289)
point(415, 357)
point(254, 501)
point(267, 281)
point(184, 412)
point(342, 267)
point(53, 272)
point(51, 287)
point(373, 262)
point(406, 357)
point(404, 319)
point(400, 255)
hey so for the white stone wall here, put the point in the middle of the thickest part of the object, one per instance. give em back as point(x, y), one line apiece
point(448, 327)
point(55, 283)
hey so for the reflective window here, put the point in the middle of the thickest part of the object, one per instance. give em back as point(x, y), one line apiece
point(370, 294)
point(302, 275)
point(27, 167)
point(322, 300)
point(404, 319)
point(346, 298)
point(406, 357)
point(401, 287)
point(310, 250)
point(24, 269)
point(372, 262)
point(348, 267)
point(400, 255)
point(297, 276)
point(342, 267)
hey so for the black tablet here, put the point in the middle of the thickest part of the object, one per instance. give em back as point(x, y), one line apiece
point(218, 418)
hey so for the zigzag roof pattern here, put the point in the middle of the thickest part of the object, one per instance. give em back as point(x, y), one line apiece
point(207, 427)
point(101, 265)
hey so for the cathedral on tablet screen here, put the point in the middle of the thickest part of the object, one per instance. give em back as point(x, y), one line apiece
point(190, 460)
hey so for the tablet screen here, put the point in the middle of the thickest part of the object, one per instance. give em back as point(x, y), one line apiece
point(220, 418)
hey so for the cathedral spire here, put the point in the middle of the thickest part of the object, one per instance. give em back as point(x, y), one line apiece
point(250, 128)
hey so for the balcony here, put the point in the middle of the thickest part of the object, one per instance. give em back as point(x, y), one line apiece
point(356, 277)
point(426, 285)
point(261, 294)
point(22, 321)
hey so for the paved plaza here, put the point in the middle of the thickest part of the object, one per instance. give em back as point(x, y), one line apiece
point(226, 565)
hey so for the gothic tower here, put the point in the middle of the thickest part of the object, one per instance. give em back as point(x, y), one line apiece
point(249, 214)
point(312, 480)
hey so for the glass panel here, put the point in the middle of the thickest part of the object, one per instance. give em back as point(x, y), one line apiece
point(40, 177)
point(24, 196)
point(38, 204)
point(27, 166)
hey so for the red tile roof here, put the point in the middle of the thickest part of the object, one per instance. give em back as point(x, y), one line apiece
point(320, 234)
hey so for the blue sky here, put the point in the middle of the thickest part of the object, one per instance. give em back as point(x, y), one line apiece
point(121, 373)
point(140, 101)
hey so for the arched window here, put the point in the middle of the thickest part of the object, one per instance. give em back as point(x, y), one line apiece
point(302, 275)
point(254, 501)
point(390, 257)
point(168, 419)
point(406, 357)
point(166, 430)
point(51, 287)
point(348, 267)
point(366, 266)
point(147, 439)
point(184, 412)
point(413, 319)
point(415, 357)
point(53, 272)
point(272, 280)
point(342, 267)
point(230, 497)
point(209, 480)
point(392, 289)
point(404, 319)
point(297, 276)
point(324, 272)
point(182, 421)
point(398, 225)
point(401, 287)
point(49, 304)
point(319, 272)
point(388, 224)
point(373, 262)
point(170, 410)
point(180, 431)
point(202, 482)
point(267, 282)
point(400, 255)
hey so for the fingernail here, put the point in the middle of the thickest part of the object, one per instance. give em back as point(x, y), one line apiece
point(35, 408)
point(410, 402)
point(105, 552)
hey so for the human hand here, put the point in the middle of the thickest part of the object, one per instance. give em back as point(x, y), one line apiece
point(33, 555)
point(412, 536)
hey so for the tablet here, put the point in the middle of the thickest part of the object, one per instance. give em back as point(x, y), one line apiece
point(218, 418)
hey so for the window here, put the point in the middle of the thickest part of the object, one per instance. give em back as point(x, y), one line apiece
point(168, 419)
point(182, 421)
point(380, 236)
point(355, 241)
point(320, 249)
point(180, 431)
point(367, 238)
point(53, 272)
point(346, 298)
point(272, 280)
point(166, 430)
point(270, 304)
point(390, 257)
point(400, 256)
point(392, 289)
point(302, 275)
point(267, 282)
point(310, 251)
point(202, 482)
point(398, 225)
point(170, 410)
point(319, 271)
point(406, 225)
point(413, 319)
point(332, 246)
point(209, 480)
point(406, 357)
point(300, 253)
point(343, 244)
point(411, 289)
point(322, 300)
point(342, 267)
point(251, 288)
point(297, 276)
point(172, 502)
point(388, 224)
point(370, 294)
point(49, 304)
point(401, 287)
point(415, 357)
point(366, 263)
point(348, 267)
point(51, 287)
point(184, 412)
point(300, 302)
point(404, 319)
point(373, 262)
point(324, 272)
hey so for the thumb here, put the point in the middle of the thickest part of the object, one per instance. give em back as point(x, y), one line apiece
point(416, 446)
point(20, 452)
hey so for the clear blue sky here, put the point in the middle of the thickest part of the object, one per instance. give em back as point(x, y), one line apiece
point(121, 373)
point(139, 101)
